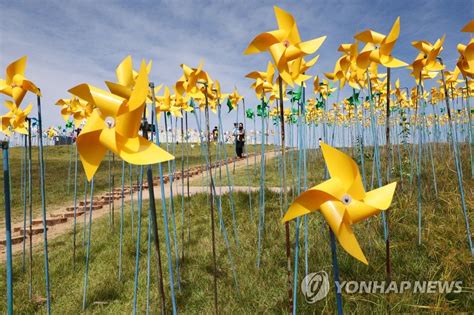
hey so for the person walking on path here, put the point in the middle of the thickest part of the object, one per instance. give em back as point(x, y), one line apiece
point(240, 140)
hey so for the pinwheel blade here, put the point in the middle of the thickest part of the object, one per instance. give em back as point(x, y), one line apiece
point(342, 167)
point(124, 72)
point(381, 198)
point(17, 67)
point(148, 153)
point(349, 242)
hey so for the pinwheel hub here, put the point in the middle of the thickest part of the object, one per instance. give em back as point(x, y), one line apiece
point(346, 199)
point(110, 122)
point(286, 43)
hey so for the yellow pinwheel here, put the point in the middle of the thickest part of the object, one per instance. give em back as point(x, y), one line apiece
point(79, 109)
point(379, 48)
point(126, 78)
point(297, 71)
point(323, 88)
point(451, 78)
point(426, 63)
point(342, 200)
point(15, 84)
point(465, 62)
point(166, 103)
point(188, 83)
point(263, 80)
point(234, 99)
point(15, 119)
point(114, 125)
point(284, 44)
point(346, 69)
point(181, 101)
point(51, 132)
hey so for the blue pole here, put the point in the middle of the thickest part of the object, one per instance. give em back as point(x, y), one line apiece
point(139, 226)
point(88, 249)
point(165, 218)
point(8, 227)
point(43, 206)
point(75, 214)
point(23, 178)
point(336, 272)
point(121, 222)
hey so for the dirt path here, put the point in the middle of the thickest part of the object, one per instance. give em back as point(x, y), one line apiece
point(61, 218)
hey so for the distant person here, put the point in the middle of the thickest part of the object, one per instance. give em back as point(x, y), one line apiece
point(240, 140)
point(215, 134)
point(235, 134)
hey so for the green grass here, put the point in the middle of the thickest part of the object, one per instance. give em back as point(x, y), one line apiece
point(57, 162)
point(443, 255)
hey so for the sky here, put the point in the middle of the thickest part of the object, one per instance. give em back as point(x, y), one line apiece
point(73, 42)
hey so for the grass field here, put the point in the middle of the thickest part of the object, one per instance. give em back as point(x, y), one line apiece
point(443, 254)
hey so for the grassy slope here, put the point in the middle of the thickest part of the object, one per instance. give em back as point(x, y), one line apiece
point(443, 255)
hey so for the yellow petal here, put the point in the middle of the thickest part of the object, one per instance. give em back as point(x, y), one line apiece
point(370, 36)
point(311, 199)
point(342, 167)
point(469, 27)
point(261, 43)
point(108, 139)
point(358, 211)
point(30, 86)
point(16, 67)
point(311, 46)
point(90, 151)
point(140, 91)
point(348, 241)
point(333, 211)
point(118, 89)
point(389, 41)
point(124, 72)
point(148, 153)
point(381, 198)
point(108, 103)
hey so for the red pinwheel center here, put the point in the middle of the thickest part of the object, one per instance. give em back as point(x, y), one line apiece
point(110, 122)
point(286, 43)
point(346, 199)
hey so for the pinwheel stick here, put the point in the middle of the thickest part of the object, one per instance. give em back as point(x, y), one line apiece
point(247, 167)
point(285, 196)
point(388, 268)
point(30, 213)
point(75, 211)
point(182, 186)
point(471, 137)
point(43, 205)
point(153, 210)
point(8, 227)
point(211, 184)
point(335, 271)
point(23, 178)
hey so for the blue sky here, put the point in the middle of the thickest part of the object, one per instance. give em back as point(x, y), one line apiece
point(69, 43)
